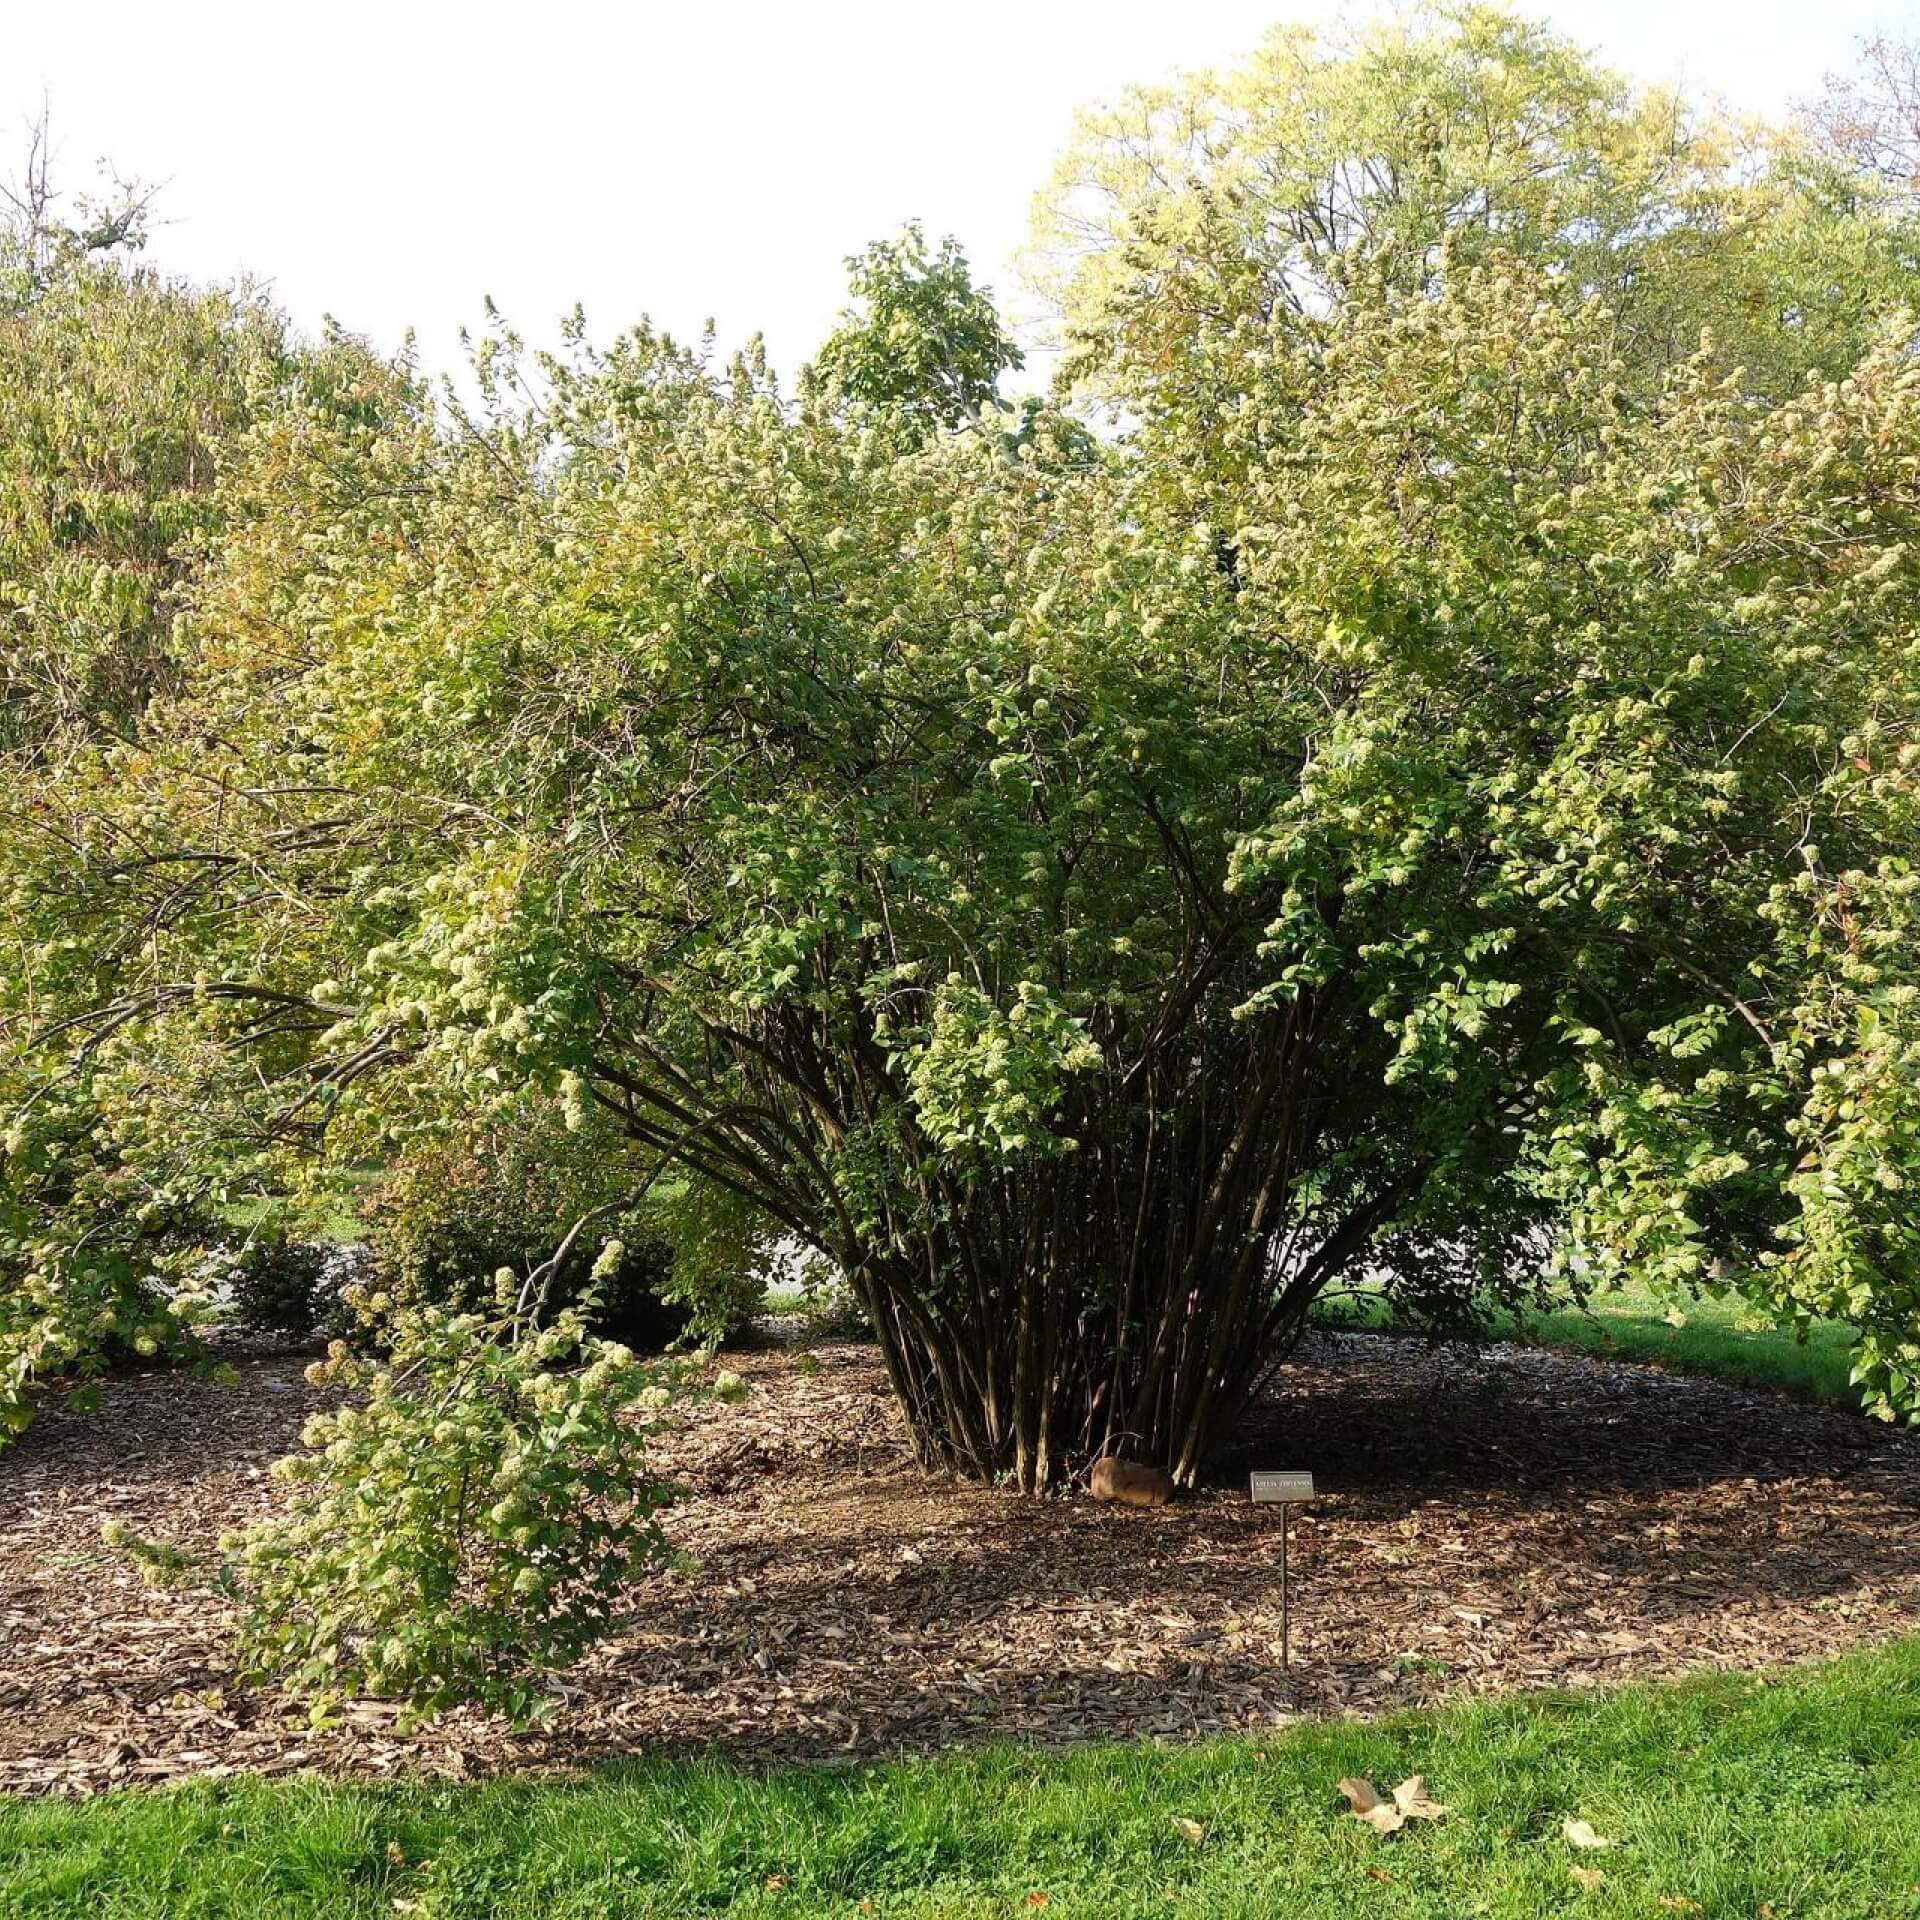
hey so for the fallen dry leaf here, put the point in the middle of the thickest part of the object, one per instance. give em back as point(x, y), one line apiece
point(1191, 1831)
point(1037, 1900)
point(1380, 1874)
point(1579, 1834)
point(1679, 1903)
point(1591, 1878)
point(777, 1883)
point(1364, 1798)
point(1410, 1802)
point(1410, 1796)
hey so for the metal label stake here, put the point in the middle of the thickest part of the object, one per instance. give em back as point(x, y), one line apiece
point(1282, 1490)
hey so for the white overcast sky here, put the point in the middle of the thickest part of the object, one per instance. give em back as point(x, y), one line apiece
point(392, 163)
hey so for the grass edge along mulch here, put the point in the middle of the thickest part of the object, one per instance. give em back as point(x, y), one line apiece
point(1771, 1797)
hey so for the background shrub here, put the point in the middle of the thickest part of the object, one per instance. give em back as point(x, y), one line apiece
point(456, 1207)
point(281, 1285)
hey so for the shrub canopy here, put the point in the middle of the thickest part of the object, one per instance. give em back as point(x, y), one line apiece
point(1430, 792)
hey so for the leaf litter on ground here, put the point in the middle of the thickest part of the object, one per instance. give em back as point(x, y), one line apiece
point(1410, 1801)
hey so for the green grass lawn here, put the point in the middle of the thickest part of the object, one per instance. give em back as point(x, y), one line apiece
point(1718, 1338)
point(1795, 1794)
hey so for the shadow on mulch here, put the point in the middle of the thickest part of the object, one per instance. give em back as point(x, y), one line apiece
point(1493, 1518)
point(1493, 1416)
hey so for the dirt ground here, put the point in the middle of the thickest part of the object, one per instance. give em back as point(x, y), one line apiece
point(1492, 1519)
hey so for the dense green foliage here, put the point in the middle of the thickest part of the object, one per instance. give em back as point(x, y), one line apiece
point(1727, 1798)
point(925, 348)
point(285, 1286)
point(1433, 789)
point(116, 389)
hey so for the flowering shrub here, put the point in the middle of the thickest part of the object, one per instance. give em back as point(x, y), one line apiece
point(1433, 792)
point(466, 1525)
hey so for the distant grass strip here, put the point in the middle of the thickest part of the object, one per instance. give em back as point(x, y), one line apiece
point(1715, 1338)
point(1718, 1339)
point(1794, 1795)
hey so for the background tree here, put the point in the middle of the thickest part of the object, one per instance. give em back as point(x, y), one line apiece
point(1192, 208)
point(119, 391)
point(1870, 119)
point(924, 346)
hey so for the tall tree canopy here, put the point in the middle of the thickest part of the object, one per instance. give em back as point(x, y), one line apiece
point(120, 393)
point(1223, 200)
point(1432, 793)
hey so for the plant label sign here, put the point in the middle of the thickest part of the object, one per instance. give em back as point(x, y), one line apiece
point(1270, 1488)
point(1282, 1490)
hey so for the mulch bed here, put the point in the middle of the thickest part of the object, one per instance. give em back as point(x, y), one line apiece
point(1493, 1519)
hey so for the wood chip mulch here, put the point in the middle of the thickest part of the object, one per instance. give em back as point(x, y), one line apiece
point(1493, 1518)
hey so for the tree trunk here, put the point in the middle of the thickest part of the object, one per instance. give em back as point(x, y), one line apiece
point(1094, 1331)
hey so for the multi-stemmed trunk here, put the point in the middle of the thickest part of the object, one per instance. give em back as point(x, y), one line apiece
point(1044, 1374)
point(1128, 1297)
point(1125, 1289)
